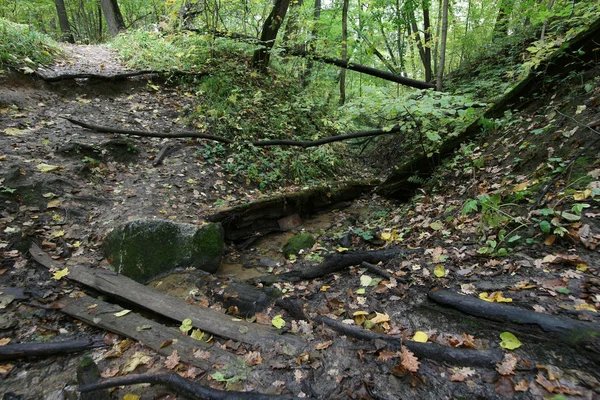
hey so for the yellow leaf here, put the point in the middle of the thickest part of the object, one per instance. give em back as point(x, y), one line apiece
point(499, 298)
point(484, 296)
point(131, 396)
point(509, 341)
point(379, 318)
point(439, 271)
point(58, 234)
point(365, 280)
point(586, 307)
point(122, 313)
point(582, 195)
point(186, 325)
point(342, 249)
point(54, 203)
point(61, 274)
point(387, 236)
point(47, 167)
point(15, 131)
point(324, 288)
point(278, 322)
point(420, 337)
point(197, 334)
point(520, 187)
point(582, 267)
point(360, 313)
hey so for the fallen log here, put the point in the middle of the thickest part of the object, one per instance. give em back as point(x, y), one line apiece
point(332, 263)
point(182, 386)
point(258, 143)
point(116, 77)
point(203, 318)
point(572, 332)
point(432, 351)
point(252, 220)
point(29, 350)
point(153, 335)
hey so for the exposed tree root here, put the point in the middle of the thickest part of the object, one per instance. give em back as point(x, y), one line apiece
point(183, 386)
point(572, 332)
point(117, 77)
point(259, 143)
point(432, 351)
point(333, 263)
point(27, 350)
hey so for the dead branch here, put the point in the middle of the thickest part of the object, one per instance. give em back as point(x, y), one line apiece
point(260, 143)
point(572, 332)
point(27, 350)
point(183, 386)
point(332, 263)
point(432, 351)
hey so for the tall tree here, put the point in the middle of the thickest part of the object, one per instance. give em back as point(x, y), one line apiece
point(344, 51)
point(63, 20)
point(113, 16)
point(501, 25)
point(442, 62)
point(310, 46)
point(262, 55)
point(424, 43)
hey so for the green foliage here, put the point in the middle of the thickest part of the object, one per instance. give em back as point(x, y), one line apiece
point(22, 46)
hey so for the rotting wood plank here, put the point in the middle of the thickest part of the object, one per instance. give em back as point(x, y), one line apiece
point(203, 318)
point(152, 334)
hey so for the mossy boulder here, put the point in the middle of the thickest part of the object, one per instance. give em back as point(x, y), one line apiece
point(143, 249)
point(297, 243)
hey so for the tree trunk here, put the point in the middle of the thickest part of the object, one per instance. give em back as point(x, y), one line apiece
point(310, 46)
point(63, 20)
point(501, 26)
point(428, 40)
point(261, 57)
point(344, 51)
point(440, 71)
point(113, 16)
point(290, 36)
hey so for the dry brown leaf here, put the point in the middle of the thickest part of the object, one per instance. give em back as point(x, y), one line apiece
point(4, 341)
point(172, 361)
point(459, 374)
point(109, 372)
point(201, 354)
point(385, 355)
point(468, 341)
point(191, 373)
point(324, 345)
point(507, 366)
point(253, 358)
point(409, 361)
point(522, 386)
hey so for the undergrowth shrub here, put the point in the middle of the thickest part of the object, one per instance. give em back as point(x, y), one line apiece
point(21, 46)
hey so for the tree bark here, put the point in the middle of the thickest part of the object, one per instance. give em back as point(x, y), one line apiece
point(63, 20)
point(113, 16)
point(310, 46)
point(344, 51)
point(440, 71)
point(501, 25)
point(261, 57)
point(427, 40)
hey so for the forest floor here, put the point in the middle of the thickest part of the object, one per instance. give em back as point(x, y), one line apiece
point(77, 185)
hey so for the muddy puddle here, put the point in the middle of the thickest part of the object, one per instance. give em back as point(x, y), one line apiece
point(264, 255)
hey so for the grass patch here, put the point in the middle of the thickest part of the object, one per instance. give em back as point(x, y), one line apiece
point(22, 46)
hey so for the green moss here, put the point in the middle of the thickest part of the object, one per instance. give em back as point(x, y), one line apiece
point(144, 249)
point(297, 243)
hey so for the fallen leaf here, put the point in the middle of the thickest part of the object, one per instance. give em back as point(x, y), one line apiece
point(459, 374)
point(409, 361)
point(48, 167)
point(253, 358)
point(186, 325)
point(61, 274)
point(439, 271)
point(365, 280)
point(122, 313)
point(135, 361)
point(508, 364)
point(131, 396)
point(4, 341)
point(420, 337)
point(324, 345)
point(385, 355)
point(173, 360)
point(379, 318)
point(278, 322)
point(509, 341)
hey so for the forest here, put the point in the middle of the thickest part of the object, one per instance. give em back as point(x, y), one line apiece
point(328, 199)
